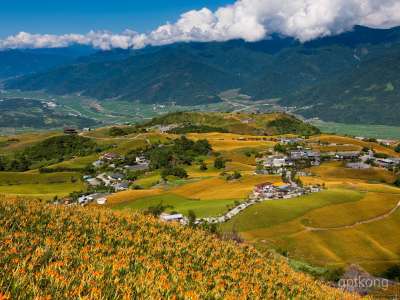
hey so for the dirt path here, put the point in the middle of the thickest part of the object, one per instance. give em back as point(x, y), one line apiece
point(375, 219)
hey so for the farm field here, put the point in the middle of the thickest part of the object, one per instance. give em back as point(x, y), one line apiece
point(202, 208)
point(355, 220)
point(44, 186)
point(371, 131)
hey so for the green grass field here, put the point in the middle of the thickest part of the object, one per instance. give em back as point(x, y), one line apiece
point(372, 131)
point(43, 186)
point(180, 204)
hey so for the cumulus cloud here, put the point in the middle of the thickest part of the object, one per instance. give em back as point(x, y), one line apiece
point(250, 20)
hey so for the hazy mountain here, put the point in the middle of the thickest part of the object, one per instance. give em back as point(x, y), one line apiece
point(17, 62)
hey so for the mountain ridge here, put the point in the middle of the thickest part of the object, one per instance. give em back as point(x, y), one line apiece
point(276, 68)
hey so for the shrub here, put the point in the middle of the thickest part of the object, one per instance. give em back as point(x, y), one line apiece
point(219, 163)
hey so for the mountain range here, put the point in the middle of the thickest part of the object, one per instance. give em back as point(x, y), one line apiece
point(350, 78)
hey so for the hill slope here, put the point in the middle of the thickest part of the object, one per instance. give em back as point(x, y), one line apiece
point(72, 253)
point(367, 94)
point(257, 124)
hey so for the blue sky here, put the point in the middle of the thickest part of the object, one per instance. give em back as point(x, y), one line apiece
point(80, 16)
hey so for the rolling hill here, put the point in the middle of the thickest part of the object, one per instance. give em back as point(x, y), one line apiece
point(257, 124)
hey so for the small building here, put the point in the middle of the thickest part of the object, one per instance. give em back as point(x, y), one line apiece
point(116, 176)
point(171, 218)
point(70, 131)
point(93, 182)
point(101, 201)
point(122, 186)
point(98, 164)
point(387, 162)
point(109, 156)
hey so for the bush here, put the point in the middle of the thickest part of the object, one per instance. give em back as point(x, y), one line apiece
point(174, 171)
point(219, 163)
point(393, 273)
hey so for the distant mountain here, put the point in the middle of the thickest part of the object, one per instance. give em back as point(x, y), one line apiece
point(316, 76)
point(17, 62)
point(368, 93)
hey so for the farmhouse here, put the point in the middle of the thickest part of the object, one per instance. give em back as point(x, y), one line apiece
point(97, 163)
point(345, 155)
point(387, 162)
point(121, 186)
point(312, 156)
point(274, 164)
point(173, 218)
point(109, 156)
point(70, 131)
point(288, 141)
point(116, 176)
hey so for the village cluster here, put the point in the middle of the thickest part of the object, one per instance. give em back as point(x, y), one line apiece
point(111, 176)
point(299, 158)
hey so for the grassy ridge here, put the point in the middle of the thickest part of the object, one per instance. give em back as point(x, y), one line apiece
point(62, 253)
point(269, 124)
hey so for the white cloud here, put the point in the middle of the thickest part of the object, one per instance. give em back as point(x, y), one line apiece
point(250, 20)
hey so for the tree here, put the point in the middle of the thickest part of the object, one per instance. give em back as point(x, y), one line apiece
point(203, 166)
point(235, 176)
point(157, 210)
point(117, 131)
point(192, 218)
point(219, 163)
point(397, 182)
point(397, 148)
point(280, 148)
point(174, 171)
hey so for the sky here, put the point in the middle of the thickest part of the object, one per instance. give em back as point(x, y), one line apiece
point(140, 23)
point(81, 16)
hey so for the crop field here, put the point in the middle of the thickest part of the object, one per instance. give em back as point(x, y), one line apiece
point(10, 144)
point(350, 141)
point(337, 170)
point(218, 188)
point(338, 226)
point(124, 255)
point(202, 208)
point(43, 186)
point(229, 141)
point(77, 163)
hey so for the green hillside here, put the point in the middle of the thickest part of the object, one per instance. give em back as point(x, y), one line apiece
point(268, 124)
point(367, 94)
